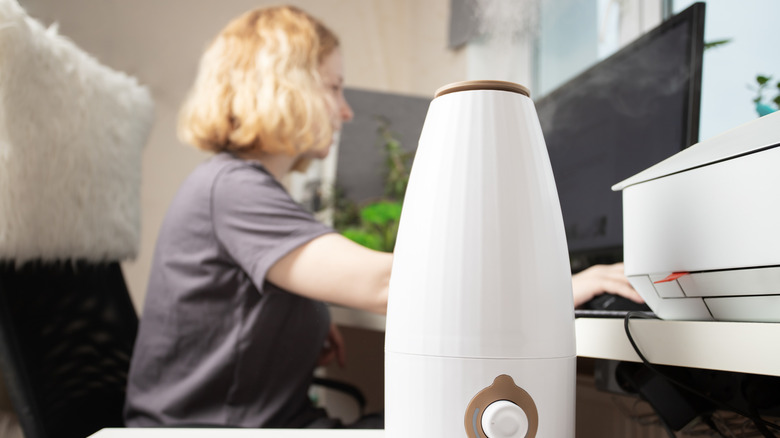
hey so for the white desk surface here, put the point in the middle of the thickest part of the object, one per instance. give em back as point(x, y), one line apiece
point(729, 346)
point(746, 347)
point(236, 433)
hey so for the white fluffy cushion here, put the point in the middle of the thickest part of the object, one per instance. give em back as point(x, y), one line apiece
point(71, 136)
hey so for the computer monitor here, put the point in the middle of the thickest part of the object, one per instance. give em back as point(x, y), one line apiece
point(622, 115)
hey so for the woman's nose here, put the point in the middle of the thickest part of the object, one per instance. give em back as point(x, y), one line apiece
point(346, 111)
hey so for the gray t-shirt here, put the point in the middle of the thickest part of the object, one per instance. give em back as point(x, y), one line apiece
point(217, 343)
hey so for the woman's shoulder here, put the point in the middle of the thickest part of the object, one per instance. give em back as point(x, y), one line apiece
point(239, 183)
point(223, 176)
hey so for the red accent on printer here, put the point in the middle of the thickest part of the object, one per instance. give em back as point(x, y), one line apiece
point(673, 276)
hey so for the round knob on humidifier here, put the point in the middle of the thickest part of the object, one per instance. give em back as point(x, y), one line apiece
point(504, 419)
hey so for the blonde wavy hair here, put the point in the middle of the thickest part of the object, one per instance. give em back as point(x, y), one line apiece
point(258, 86)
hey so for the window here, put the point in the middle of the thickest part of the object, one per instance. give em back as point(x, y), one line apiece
point(729, 70)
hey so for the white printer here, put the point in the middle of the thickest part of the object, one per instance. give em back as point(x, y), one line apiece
point(702, 228)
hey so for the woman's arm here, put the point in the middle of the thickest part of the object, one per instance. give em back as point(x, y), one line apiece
point(334, 269)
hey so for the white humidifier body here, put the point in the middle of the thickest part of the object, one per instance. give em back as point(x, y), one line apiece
point(480, 321)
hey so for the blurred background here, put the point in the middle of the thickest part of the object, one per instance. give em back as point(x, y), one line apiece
point(397, 53)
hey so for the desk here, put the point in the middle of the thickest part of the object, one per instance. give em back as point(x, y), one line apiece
point(236, 433)
point(745, 347)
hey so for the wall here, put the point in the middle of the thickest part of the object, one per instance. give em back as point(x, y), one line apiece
point(395, 46)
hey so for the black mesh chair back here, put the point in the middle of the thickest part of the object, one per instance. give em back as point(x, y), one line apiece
point(66, 335)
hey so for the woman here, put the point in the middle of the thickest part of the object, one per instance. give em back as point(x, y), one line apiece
point(222, 340)
point(234, 321)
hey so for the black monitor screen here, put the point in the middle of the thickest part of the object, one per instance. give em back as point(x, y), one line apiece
point(619, 117)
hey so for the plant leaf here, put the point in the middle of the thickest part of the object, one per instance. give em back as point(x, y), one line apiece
point(381, 213)
point(716, 43)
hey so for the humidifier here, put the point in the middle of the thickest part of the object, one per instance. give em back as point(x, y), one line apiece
point(480, 321)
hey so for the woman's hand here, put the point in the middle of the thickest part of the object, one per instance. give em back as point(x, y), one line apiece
point(333, 348)
point(599, 279)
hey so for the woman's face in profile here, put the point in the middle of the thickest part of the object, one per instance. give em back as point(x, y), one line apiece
point(332, 74)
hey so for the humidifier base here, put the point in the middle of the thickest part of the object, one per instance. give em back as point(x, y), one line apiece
point(435, 396)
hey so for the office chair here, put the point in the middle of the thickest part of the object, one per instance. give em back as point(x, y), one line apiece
point(66, 334)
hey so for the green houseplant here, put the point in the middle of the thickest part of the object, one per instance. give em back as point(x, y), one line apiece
point(764, 88)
